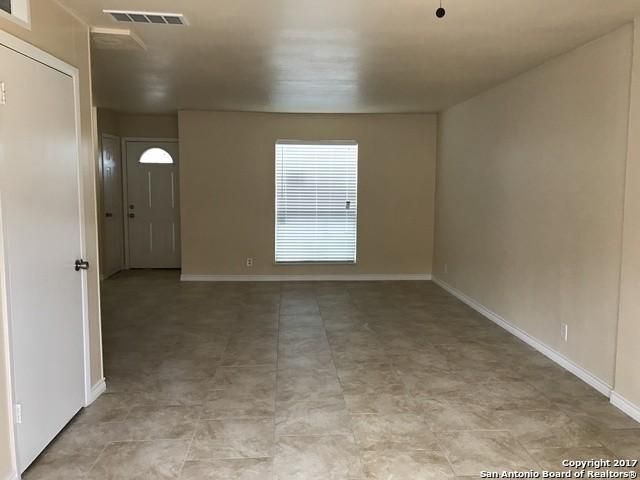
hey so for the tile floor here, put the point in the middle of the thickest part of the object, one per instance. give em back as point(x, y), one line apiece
point(324, 381)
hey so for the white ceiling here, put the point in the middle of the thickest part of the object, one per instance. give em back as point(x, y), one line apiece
point(335, 55)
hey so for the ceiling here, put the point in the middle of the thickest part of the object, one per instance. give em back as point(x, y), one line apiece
point(334, 55)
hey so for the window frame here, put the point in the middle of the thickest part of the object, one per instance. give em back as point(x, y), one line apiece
point(289, 141)
point(20, 13)
point(167, 154)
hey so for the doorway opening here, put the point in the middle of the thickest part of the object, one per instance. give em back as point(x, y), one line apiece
point(140, 198)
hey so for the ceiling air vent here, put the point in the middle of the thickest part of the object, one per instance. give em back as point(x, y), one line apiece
point(125, 16)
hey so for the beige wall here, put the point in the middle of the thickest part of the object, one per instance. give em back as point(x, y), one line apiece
point(627, 382)
point(108, 122)
point(530, 199)
point(227, 176)
point(57, 32)
point(149, 126)
point(137, 125)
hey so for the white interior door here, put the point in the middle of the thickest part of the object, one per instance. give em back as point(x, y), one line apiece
point(152, 204)
point(112, 214)
point(39, 195)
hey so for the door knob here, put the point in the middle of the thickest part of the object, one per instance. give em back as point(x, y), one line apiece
point(82, 265)
point(108, 215)
point(132, 215)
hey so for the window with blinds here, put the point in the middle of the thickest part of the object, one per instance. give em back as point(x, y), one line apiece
point(316, 201)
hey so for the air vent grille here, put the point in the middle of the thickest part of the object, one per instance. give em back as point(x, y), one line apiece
point(123, 16)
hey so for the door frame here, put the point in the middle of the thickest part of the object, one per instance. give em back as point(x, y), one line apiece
point(30, 51)
point(125, 185)
point(123, 264)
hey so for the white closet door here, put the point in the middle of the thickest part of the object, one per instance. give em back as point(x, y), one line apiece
point(39, 195)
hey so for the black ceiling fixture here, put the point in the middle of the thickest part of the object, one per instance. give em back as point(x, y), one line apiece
point(440, 12)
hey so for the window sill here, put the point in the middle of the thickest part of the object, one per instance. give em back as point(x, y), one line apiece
point(278, 264)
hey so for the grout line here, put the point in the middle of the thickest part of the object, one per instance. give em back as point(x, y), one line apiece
point(201, 413)
point(95, 462)
point(352, 310)
point(353, 434)
point(277, 368)
point(186, 455)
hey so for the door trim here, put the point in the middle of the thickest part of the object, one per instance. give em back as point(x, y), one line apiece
point(40, 56)
point(125, 185)
point(4, 323)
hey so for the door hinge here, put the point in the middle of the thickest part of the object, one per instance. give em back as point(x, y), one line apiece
point(18, 411)
point(3, 93)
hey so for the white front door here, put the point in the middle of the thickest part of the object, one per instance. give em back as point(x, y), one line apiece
point(112, 214)
point(152, 204)
point(39, 202)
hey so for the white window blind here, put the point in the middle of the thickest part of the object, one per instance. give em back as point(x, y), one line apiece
point(316, 201)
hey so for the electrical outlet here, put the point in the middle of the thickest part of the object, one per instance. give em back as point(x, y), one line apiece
point(564, 332)
point(249, 262)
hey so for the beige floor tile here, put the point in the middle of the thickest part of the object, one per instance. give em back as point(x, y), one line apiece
point(551, 458)
point(312, 358)
point(245, 378)
point(415, 374)
point(374, 375)
point(250, 353)
point(445, 417)
point(548, 428)
point(317, 457)
point(380, 432)
point(299, 308)
point(498, 395)
point(623, 443)
point(351, 357)
point(60, 467)
point(305, 384)
point(600, 413)
point(110, 407)
point(313, 321)
point(471, 453)
point(162, 423)
point(312, 389)
point(153, 391)
point(424, 358)
point(151, 460)
point(431, 382)
point(232, 404)
point(233, 438)
point(237, 469)
point(560, 386)
point(250, 380)
point(317, 415)
point(74, 452)
point(406, 465)
point(189, 365)
point(387, 399)
point(87, 439)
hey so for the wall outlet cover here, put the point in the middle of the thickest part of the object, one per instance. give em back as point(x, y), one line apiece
point(564, 332)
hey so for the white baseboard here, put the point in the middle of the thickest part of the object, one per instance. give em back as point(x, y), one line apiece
point(96, 390)
point(586, 376)
point(625, 405)
point(306, 278)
